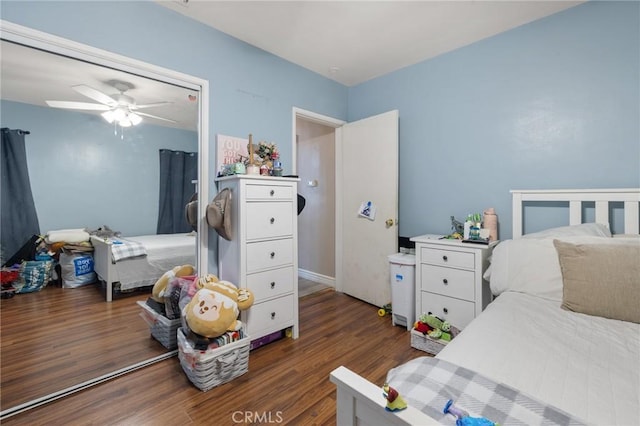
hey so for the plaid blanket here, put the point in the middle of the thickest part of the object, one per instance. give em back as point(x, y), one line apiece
point(126, 249)
point(428, 383)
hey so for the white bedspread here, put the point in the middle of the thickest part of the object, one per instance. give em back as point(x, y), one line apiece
point(587, 366)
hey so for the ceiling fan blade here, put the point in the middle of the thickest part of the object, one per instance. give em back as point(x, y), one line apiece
point(156, 117)
point(150, 105)
point(94, 94)
point(78, 105)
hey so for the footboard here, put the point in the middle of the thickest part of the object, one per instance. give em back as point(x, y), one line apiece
point(103, 265)
point(360, 402)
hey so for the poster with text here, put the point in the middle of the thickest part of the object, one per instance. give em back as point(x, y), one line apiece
point(230, 150)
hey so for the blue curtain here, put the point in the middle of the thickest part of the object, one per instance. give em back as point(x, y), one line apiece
point(178, 170)
point(18, 211)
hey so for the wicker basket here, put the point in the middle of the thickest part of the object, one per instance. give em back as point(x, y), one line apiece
point(213, 367)
point(162, 328)
point(426, 343)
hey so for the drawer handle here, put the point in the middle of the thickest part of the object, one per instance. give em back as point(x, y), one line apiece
point(273, 284)
point(272, 220)
point(445, 258)
point(272, 192)
point(273, 315)
point(445, 310)
point(445, 281)
point(273, 254)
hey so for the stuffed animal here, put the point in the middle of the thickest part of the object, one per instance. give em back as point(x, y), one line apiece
point(214, 308)
point(158, 292)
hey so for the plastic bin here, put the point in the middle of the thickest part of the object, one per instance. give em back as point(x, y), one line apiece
point(402, 271)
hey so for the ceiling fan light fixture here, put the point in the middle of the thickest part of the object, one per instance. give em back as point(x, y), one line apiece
point(125, 122)
point(119, 114)
point(134, 118)
point(109, 116)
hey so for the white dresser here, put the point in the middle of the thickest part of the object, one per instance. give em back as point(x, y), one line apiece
point(449, 281)
point(263, 252)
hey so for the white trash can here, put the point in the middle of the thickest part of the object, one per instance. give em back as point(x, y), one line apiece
point(402, 268)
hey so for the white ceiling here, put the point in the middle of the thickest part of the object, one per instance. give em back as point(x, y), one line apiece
point(354, 41)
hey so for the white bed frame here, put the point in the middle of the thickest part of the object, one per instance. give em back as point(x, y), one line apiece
point(103, 265)
point(360, 402)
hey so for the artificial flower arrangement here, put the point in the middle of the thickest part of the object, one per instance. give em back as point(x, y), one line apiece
point(268, 151)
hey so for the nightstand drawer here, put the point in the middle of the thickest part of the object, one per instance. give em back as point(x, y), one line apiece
point(269, 254)
point(458, 312)
point(452, 258)
point(269, 192)
point(450, 282)
point(269, 284)
point(268, 220)
point(273, 315)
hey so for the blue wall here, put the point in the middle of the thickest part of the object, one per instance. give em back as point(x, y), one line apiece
point(551, 104)
point(84, 176)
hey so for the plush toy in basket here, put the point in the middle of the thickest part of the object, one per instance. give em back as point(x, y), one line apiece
point(431, 334)
point(214, 308)
point(161, 310)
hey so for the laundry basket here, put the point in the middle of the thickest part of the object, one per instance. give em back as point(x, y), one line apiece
point(213, 367)
point(162, 328)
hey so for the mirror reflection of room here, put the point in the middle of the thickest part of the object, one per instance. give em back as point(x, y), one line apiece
point(82, 180)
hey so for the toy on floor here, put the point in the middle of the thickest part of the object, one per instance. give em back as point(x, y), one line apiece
point(394, 401)
point(386, 309)
point(463, 418)
point(435, 328)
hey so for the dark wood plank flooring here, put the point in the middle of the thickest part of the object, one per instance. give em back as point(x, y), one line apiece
point(287, 383)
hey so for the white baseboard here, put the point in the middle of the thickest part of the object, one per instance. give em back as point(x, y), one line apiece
point(319, 278)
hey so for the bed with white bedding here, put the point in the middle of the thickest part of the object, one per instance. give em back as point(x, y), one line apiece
point(152, 256)
point(584, 363)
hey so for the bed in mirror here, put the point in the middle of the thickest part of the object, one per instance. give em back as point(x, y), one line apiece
point(91, 170)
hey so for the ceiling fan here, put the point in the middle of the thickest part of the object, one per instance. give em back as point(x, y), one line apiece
point(119, 108)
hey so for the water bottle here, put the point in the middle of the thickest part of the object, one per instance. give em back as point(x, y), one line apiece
point(467, 228)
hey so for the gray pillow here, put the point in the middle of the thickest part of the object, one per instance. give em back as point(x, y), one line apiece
point(601, 280)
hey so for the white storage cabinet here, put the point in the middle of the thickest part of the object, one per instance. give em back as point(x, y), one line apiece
point(449, 281)
point(263, 252)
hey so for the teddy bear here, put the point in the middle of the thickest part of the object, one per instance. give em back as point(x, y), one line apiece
point(215, 307)
point(158, 292)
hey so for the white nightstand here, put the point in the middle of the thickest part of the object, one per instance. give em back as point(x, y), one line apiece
point(449, 281)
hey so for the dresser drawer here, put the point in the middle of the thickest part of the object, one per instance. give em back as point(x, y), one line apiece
point(443, 257)
point(458, 312)
point(269, 254)
point(269, 284)
point(269, 219)
point(458, 283)
point(269, 192)
point(266, 317)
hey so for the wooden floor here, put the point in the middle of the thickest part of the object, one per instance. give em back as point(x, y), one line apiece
point(287, 383)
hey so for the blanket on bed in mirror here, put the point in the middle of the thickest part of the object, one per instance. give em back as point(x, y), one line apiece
point(428, 383)
point(125, 249)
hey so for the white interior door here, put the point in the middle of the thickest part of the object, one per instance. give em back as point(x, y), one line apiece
point(367, 160)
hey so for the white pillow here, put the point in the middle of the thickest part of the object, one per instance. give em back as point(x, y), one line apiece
point(531, 265)
point(594, 229)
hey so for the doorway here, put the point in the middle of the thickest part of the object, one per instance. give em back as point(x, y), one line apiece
point(314, 140)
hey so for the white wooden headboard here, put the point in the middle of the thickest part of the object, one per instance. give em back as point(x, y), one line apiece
point(602, 197)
